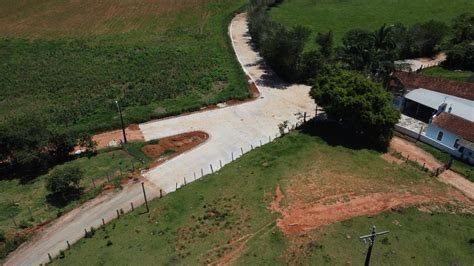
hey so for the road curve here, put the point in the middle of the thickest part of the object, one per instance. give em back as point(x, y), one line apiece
point(233, 130)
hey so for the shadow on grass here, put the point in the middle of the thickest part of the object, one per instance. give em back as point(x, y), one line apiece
point(61, 200)
point(335, 134)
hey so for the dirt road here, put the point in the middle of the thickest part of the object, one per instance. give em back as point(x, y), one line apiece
point(454, 179)
point(233, 130)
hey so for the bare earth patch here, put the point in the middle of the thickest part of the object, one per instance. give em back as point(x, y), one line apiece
point(391, 159)
point(107, 139)
point(409, 149)
point(178, 143)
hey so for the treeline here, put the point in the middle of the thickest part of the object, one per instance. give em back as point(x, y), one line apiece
point(29, 147)
point(371, 52)
point(347, 81)
point(460, 54)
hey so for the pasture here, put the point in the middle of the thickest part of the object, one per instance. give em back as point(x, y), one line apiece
point(341, 16)
point(243, 213)
point(68, 61)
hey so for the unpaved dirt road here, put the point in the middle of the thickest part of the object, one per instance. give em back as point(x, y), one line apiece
point(454, 179)
point(233, 130)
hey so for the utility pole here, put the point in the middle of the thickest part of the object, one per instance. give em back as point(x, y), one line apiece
point(371, 240)
point(144, 195)
point(121, 120)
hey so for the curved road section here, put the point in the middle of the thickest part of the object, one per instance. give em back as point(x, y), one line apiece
point(233, 130)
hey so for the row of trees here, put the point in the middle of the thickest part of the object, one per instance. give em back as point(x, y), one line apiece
point(28, 146)
point(460, 55)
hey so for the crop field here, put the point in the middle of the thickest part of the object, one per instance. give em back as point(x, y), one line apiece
point(341, 16)
point(276, 205)
point(69, 60)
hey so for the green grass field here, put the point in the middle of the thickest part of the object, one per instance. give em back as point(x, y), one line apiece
point(341, 16)
point(69, 60)
point(448, 74)
point(203, 221)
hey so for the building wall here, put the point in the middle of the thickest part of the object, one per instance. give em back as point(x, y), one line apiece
point(448, 139)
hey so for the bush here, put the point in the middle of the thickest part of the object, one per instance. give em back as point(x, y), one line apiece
point(2, 236)
point(64, 182)
point(24, 224)
point(460, 57)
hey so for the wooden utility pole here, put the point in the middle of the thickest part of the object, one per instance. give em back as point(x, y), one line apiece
point(121, 120)
point(144, 195)
point(371, 240)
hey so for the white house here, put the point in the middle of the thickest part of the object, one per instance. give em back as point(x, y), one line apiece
point(454, 134)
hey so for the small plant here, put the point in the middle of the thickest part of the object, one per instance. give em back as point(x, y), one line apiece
point(168, 152)
point(62, 255)
point(24, 224)
point(471, 241)
point(2, 236)
point(109, 243)
point(385, 241)
point(283, 126)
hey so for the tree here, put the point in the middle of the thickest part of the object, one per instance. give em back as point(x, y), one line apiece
point(356, 102)
point(426, 37)
point(326, 44)
point(463, 28)
point(283, 48)
point(64, 182)
point(461, 57)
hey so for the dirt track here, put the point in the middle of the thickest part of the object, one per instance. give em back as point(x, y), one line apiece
point(421, 156)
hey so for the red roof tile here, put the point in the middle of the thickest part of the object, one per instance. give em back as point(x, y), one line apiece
point(452, 87)
point(456, 125)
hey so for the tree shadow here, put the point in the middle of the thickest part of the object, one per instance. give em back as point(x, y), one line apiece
point(60, 200)
point(336, 134)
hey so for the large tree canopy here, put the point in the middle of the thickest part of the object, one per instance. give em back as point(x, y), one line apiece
point(356, 102)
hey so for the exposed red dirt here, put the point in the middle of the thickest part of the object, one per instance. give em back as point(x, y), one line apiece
point(409, 149)
point(302, 216)
point(178, 143)
point(132, 132)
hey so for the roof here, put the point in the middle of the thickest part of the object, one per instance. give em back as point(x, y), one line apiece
point(456, 125)
point(452, 87)
point(461, 107)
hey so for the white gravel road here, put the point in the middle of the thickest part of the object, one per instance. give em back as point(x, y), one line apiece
point(231, 129)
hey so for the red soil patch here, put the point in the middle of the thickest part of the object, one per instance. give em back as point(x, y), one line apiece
point(177, 143)
point(302, 216)
point(132, 132)
point(408, 149)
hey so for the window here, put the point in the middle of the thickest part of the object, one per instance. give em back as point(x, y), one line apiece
point(456, 144)
point(440, 136)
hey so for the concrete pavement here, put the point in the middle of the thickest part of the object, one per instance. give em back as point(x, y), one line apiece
point(231, 129)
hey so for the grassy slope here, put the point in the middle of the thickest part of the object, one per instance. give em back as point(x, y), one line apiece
point(341, 16)
point(447, 74)
point(157, 57)
point(194, 224)
point(16, 198)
